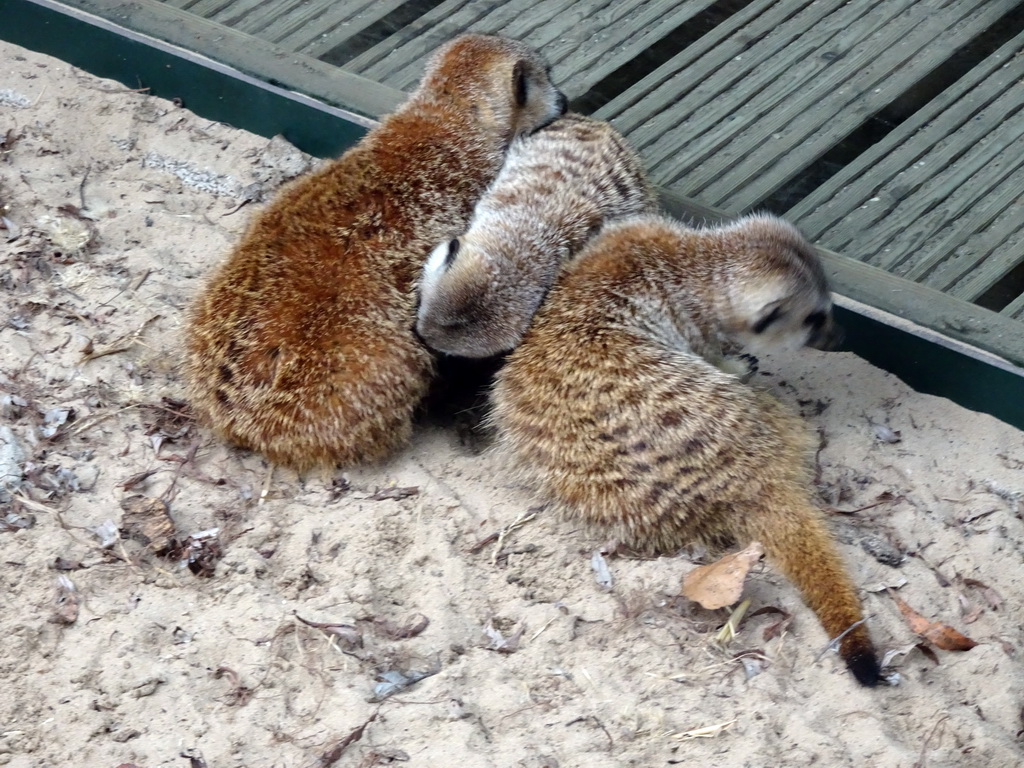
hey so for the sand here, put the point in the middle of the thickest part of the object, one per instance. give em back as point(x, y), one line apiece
point(287, 633)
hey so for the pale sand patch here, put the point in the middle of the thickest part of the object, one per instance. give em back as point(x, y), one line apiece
point(599, 678)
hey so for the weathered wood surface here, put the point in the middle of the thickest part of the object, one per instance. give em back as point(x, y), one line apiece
point(312, 27)
point(732, 118)
point(940, 200)
point(585, 40)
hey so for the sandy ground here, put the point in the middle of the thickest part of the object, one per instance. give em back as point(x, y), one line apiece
point(282, 634)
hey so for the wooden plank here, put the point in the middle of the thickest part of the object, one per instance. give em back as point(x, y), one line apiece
point(584, 41)
point(989, 195)
point(208, 8)
point(742, 94)
point(748, 164)
point(862, 194)
point(642, 111)
point(330, 29)
point(259, 15)
point(424, 35)
point(814, 120)
point(1015, 308)
point(928, 201)
point(248, 55)
point(584, 54)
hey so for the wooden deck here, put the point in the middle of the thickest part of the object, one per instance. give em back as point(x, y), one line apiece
point(891, 131)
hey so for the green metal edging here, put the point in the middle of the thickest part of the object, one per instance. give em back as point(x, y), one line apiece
point(219, 92)
point(206, 88)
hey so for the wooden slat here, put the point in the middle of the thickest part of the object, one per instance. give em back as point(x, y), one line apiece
point(866, 191)
point(584, 41)
point(937, 200)
point(731, 132)
point(335, 27)
point(257, 15)
point(251, 56)
point(208, 8)
point(814, 119)
point(990, 194)
point(1015, 308)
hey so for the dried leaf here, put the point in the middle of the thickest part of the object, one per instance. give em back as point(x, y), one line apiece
point(336, 750)
point(394, 681)
point(65, 564)
point(886, 435)
point(928, 653)
point(201, 552)
point(107, 533)
point(777, 628)
point(412, 626)
point(148, 521)
point(721, 583)
point(942, 636)
point(500, 643)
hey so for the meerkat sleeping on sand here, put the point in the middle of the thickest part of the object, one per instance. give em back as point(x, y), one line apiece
point(558, 185)
point(614, 404)
point(302, 344)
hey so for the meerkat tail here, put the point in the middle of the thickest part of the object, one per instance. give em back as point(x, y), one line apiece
point(799, 544)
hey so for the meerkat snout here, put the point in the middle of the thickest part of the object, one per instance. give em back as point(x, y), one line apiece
point(782, 298)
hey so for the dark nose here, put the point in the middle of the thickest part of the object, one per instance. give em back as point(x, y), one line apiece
point(828, 337)
point(563, 103)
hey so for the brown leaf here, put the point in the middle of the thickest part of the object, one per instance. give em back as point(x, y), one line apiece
point(777, 628)
point(721, 583)
point(148, 521)
point(942, 636)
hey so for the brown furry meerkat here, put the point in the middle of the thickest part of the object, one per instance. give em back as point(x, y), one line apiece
point(302, 345)
point(557, 187)
point(615, 406)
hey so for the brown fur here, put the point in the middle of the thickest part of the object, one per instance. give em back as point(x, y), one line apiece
point(302, 346)
point(615, 406)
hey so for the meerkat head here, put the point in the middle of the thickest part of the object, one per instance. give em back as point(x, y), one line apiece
point(778, 293)
point(473, 301)
point(507, 84)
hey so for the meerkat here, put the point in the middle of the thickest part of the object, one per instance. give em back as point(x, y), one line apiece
point(614, 403)
point(302, 345)
point(558, 186)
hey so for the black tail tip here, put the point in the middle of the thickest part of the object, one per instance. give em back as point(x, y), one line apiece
point(865, 668)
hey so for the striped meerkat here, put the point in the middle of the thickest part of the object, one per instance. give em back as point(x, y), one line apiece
point(614, 403)
point(557, 187)
point(301, 346)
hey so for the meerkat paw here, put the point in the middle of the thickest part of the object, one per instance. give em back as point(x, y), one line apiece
point(742, 366)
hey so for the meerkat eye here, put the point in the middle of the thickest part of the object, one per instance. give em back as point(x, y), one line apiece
point(519, 82)
point(453, 251)
point(762, 325)
point(816, 320)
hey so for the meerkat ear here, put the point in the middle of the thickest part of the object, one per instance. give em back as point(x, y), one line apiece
point(519, 82)
point(453, 251)
point(769, 314)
